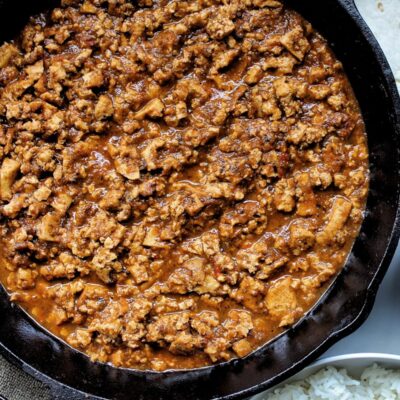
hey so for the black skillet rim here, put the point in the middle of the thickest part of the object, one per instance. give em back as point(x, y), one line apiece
point(355, 321)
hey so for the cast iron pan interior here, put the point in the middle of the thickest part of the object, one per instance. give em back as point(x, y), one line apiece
point(341, 310)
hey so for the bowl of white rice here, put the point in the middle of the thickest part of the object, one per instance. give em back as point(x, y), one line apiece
point(362, 376)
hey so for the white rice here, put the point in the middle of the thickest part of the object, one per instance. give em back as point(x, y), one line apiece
point(330, 384)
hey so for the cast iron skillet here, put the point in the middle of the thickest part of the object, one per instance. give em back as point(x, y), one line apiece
point(342, 309)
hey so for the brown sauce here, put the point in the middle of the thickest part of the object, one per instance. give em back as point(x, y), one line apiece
point(179, 181)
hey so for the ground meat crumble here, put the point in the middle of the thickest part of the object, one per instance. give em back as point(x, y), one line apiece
point(179, 180)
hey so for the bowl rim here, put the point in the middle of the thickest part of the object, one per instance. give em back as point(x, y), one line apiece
point(377, 357)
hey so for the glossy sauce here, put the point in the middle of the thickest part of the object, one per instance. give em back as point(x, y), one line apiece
point(180, 181)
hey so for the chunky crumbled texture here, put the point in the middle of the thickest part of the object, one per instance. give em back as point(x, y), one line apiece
point(179, 180)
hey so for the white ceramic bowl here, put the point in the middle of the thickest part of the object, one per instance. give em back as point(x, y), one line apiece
point(355, 364)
